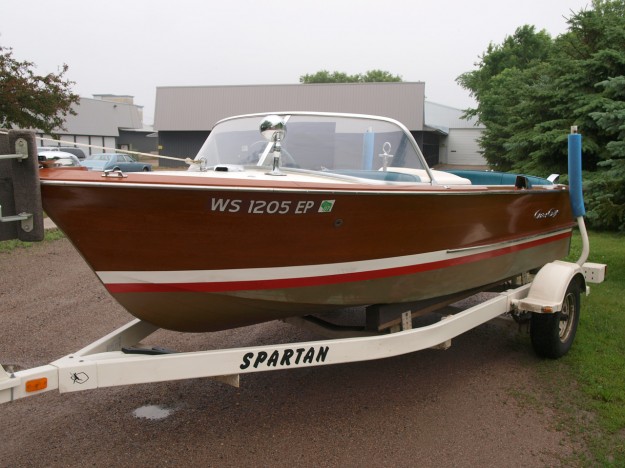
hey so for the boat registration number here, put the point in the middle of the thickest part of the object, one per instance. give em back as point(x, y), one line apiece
point(282, 207)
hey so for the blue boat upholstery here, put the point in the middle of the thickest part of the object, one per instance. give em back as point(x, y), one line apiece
point(388, 176)
point(496, 178)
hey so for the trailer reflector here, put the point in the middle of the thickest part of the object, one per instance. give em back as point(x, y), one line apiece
point(36, 385)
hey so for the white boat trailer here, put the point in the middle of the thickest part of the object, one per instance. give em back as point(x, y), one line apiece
point(119, 358)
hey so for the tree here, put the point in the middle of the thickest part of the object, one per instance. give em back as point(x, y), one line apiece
point(606, 189)
point(531, 89)
point(371, 76)
point(379, 76)
point(507, 77)
point(520, 51)
point(29, 100)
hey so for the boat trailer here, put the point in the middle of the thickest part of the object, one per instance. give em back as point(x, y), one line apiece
point(549, 302)
point(119, 358)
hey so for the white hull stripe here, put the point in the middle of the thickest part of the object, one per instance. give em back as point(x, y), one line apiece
point(308, 275)
point(346, 190)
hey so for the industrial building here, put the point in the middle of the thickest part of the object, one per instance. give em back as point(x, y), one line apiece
point(103, 124)
point(185, 115)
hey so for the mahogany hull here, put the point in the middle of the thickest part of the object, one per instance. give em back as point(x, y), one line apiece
point(200, 256)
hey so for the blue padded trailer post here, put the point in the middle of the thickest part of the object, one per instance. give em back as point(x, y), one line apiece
point(575, 173)
point(575, 190)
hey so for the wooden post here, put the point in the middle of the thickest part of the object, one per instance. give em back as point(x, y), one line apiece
point(20, 192)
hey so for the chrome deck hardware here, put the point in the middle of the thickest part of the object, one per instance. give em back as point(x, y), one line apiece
point(116, 173)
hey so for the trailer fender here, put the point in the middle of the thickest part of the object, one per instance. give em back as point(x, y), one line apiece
point(548, 289)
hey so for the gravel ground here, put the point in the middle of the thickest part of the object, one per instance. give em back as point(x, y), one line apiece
point(480, 403)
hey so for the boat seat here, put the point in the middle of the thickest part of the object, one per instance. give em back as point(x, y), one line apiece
point(443, 178)
point(388, 176)
point(496, 178)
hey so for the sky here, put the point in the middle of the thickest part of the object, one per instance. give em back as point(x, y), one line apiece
point(131, 47)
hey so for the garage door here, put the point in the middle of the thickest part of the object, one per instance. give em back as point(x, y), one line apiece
point(463, 148)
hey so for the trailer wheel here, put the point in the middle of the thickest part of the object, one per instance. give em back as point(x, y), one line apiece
point(552, 334)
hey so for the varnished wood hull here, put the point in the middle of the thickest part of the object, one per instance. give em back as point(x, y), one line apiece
point(195, 254)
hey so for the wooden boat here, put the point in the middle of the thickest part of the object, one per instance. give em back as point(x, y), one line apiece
point(338, 211)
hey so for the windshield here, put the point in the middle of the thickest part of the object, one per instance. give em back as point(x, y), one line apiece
point(317, 142)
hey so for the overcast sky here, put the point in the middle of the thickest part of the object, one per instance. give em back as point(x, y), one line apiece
point(134, 46)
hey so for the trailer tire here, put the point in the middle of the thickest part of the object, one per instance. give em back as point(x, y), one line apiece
point(552, 334)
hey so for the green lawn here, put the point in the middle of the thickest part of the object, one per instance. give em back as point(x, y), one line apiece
point(591, 377)
point(50, 235)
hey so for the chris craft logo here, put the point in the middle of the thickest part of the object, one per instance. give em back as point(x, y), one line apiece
point(541, 214)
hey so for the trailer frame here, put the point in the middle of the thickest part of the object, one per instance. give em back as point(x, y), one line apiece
point(119, 358)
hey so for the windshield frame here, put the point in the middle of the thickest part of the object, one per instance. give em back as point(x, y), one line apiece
point(287, 117)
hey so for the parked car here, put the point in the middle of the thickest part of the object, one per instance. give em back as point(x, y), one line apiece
point(80, 154)
point(58, 158)
point(106, 161)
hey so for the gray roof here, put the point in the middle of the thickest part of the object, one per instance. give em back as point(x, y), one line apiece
point(97, 117)
point(200, 107)
point(444, 117)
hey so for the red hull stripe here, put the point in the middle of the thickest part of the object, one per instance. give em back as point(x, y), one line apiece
point(214, 287)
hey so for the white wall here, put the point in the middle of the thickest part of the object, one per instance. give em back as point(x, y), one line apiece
point(462, 147)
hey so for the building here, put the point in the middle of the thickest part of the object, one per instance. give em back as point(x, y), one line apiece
point(458, 141)
point(103, 125)
point(185, 115)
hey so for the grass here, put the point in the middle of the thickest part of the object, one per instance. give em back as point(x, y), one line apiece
point(589, 382)
point(9, 245)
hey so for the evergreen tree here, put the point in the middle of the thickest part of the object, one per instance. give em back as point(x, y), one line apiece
point(606, 189)
point(531, 89)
